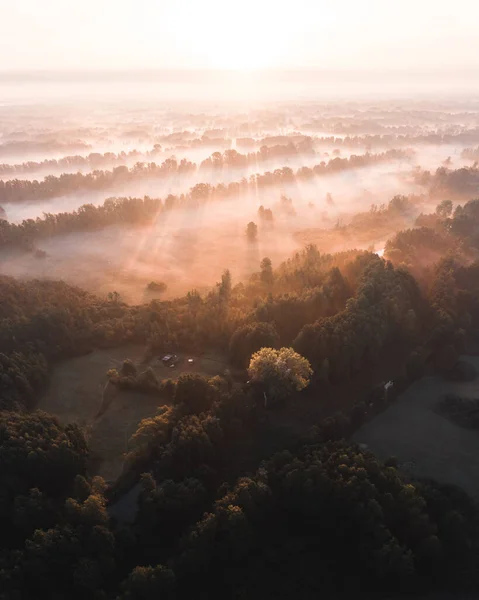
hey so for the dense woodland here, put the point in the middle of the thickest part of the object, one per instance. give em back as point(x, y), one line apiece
point(230, 505)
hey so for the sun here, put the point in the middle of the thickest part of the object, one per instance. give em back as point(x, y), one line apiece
point(246, 39)
point(247, 46)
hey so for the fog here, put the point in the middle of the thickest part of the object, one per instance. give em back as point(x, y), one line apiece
point(46, 131)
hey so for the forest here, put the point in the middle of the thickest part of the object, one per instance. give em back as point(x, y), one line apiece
point(240, 480)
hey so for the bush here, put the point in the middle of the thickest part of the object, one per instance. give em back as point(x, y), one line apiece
point(463, 411)
point(128, 369)
point(168, 389)
point(147, 381)
point(157, 286)
point(462, 371)
point(194, 392)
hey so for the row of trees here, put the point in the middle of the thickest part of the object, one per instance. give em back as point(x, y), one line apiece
point(456, 183)
point(18, 190)
point(93, 161)
point(24, 147)
point(391, 140)
point(232, 159)
point(21, 190)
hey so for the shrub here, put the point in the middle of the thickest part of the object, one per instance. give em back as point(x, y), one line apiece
point(157, 286)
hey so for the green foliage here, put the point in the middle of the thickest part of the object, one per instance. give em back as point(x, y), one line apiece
point(75, 559)
point(128, 369)
point(336, 517)
point(194, 393)
point(248, 339)
point(149, 583)
point(36, 451)
point(22, 377)
point(165, 511)
point(224, 288)
point(266, 275)
point(373, 318)
point(417, 247)
point(281, 373)
point(444, 209)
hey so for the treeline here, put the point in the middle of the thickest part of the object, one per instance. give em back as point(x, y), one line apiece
point(23, 147)
point(304, 143)
point(470, 153)
point(232, 159)
point(17, 190)
point(381, 140)
point(444, 257)
point(436, 235)
point(43, 321)
point(386, 308)
point(21, 190)
point(457, 183)
point(93, 161)
point(125, 211)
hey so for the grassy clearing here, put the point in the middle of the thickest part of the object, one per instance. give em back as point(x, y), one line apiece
point(425, 443)
point(76, 392)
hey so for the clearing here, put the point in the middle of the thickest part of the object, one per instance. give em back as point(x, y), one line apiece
point(425, 443)
point(76, 392)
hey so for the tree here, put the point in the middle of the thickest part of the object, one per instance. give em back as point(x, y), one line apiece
point(251, 231)
point(251, 338)
point(157, 286)
point(114, 297)
point(149, 583)
point(444, 209)
point(194, 392)
point(268, 215)
point(280, 372)
point(224, 288)
point(128, 368)
point(266, 275)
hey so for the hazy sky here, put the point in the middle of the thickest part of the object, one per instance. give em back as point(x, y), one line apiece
point(346, 34)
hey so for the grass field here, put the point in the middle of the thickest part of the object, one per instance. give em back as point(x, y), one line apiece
point(425, 443)
point(76, 391)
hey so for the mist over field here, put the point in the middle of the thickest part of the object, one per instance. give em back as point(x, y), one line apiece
point(304, 152)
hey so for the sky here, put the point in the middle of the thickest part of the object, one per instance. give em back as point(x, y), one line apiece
point(247, 35)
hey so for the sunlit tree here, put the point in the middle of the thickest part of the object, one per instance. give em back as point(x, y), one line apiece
point(280, 372)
